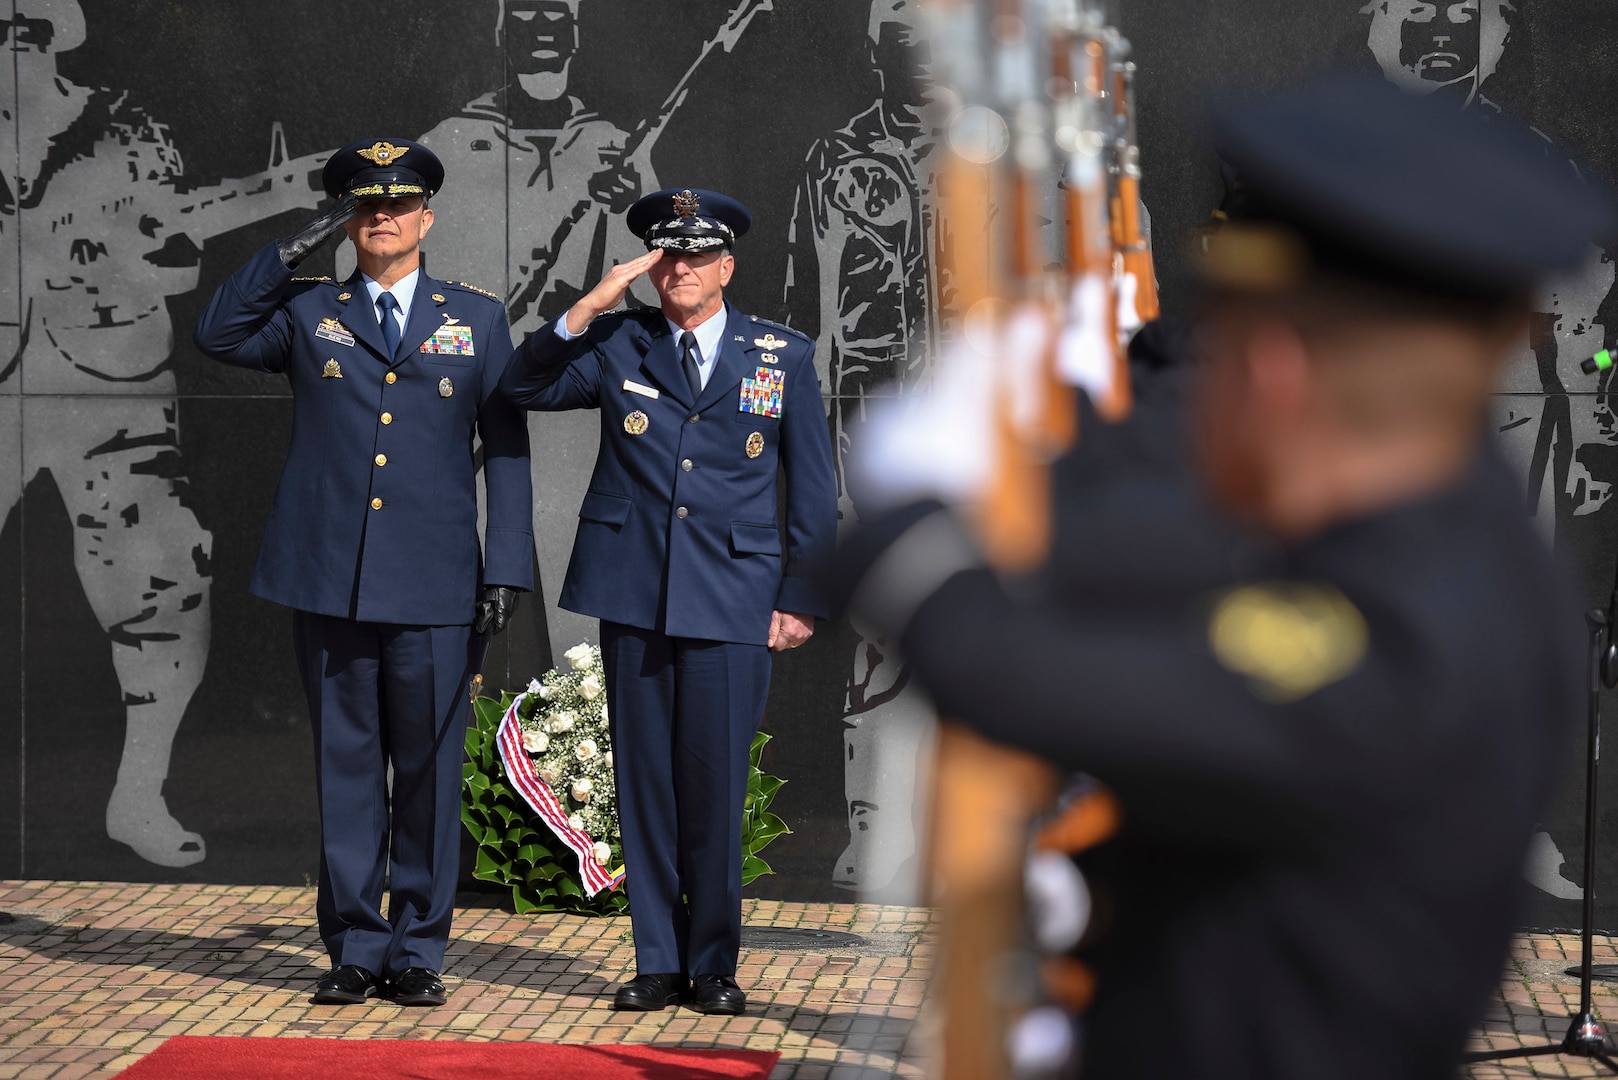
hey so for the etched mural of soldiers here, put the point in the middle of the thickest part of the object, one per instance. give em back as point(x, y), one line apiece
point(539, 209)
point(96, 235)
point(1565, 447)
point(861, 279)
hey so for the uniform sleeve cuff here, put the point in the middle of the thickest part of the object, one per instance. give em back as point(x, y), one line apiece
point(912, 568)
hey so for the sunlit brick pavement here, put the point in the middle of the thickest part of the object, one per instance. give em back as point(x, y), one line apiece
point(93, 976)
point(1534, 1002)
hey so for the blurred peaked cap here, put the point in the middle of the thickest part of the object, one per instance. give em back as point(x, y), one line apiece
point(1403, 190)
point(383, 169)
point(688, 219)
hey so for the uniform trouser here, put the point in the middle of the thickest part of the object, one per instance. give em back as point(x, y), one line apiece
point(380, 693)
point(683, 712)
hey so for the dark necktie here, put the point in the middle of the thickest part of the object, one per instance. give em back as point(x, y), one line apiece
point(693, 374)
point(390, 325)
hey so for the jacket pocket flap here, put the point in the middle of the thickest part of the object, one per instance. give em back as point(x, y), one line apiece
point(608, 509)
point(755, 539)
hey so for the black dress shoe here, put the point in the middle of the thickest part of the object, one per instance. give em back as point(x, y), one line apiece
point(717, 995)
point(417, 986)
point(349, 984)
point(650, 993)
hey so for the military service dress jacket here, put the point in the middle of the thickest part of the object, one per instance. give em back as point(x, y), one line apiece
point(678, 532)
point(376, 515)
point(1329, 775)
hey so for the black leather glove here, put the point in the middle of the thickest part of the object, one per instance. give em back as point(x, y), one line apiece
point(297, 247)
point(496, 608)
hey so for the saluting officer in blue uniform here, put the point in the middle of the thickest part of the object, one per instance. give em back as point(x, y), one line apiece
point(373, 542)
point(680, 554)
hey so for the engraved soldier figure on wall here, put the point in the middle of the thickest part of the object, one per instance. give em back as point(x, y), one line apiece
point(539, 215)
point(1555, 423)
point(87, 396)
point(862, 280)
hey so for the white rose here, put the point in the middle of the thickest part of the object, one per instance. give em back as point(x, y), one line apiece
point(604, 717)
point(535, 742)
point(562, 721)
point(580, 657)
point(545, 693)
point(590, 688)
point(585, 750)
point(581, 789)
point(575, 822)
point(607, 757)
point(601, 853)
point(535, 687)
point(549, 776)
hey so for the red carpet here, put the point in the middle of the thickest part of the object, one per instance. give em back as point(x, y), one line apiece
point(186, 1057)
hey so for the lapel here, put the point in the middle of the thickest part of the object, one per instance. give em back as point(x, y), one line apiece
point(660, 359)
point(424, 316)
point(735, 360)
point(359, 314)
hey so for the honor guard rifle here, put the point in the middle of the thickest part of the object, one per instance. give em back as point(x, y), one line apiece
point(1043, 128)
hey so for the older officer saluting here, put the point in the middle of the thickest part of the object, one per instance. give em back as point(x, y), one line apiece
point(373, 542)
point(680, 554)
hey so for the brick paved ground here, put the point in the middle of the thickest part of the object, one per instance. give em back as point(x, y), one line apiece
point(92, 976)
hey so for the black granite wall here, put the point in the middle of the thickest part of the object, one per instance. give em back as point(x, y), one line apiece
point(135, 474)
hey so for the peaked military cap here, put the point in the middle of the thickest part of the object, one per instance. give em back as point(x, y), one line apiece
point(688, 219)
point(1350, 177)
point(383, 169)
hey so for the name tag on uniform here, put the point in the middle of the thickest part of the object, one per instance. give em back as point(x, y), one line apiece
point(452, 339)
point(761, 394)
point(332, 330)
point(640, 388)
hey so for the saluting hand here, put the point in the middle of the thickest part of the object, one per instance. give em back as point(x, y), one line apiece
point(609, 292)
point(788, 630)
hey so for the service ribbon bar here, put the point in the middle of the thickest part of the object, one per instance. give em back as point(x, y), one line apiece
point(538, 794)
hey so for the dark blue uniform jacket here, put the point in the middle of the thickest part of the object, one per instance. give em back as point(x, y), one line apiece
point(679, 532)
point(376, 515)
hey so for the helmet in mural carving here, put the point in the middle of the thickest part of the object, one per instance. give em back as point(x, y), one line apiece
point(1423, 46)
point(48, 25)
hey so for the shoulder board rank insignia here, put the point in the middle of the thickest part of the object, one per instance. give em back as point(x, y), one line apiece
point(783, 327)
point(438, 297)
point(474, 288)
point(1289, 638)
point(332, 370)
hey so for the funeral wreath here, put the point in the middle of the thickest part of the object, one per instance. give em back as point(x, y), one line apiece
point(540, 802)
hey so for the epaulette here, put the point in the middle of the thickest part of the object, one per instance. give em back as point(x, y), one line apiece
point(799, 334)
point(322, 278)
point(473, 288)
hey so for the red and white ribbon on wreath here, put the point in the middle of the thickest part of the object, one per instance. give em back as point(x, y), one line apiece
point(538, 794)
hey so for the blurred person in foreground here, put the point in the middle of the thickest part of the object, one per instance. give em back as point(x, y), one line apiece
point(1329, 772)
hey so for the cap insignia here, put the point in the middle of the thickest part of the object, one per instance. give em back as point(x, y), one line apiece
point(687, 203)
point(383, 153)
